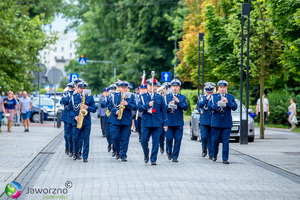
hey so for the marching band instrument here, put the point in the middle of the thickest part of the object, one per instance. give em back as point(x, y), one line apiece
point(125, 95)
point(82, 112)
point(222, 103)
point(152, 74)
point(172, 104)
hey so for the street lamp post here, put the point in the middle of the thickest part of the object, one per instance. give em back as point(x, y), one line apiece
point(244, 123)
point(201, 35)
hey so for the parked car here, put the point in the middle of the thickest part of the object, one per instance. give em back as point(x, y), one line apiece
point(57, 102)
point(47, 104)
point(34, 114)
point(235, 130)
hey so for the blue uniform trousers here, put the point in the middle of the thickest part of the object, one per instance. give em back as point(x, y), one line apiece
point(109, 137)
point(146, 133)
point(69, 136)
point(206, 139)
point(84, 133)
point(80, 143)
point(121, 135)
point(174, 133)
point(66, 136)
point(162, 139)
point(225, 134)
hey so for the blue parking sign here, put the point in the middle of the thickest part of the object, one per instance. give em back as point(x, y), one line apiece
point(73, 76)
point(166, 76)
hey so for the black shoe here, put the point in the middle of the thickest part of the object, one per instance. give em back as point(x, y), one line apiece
point(79, 157)
point(109, 148)
point(214, 158)
point(25, 130)
point(204, 153)
point(210, 157)
point(118, 156)
point(146, 159)
point(225, 162)
point(71, 154)
point(174, 160)
point(140, 140)
point(67, 151)
point(162, 150)
point(113, 154)
point(75, 157)
point(124, 160)
point(169, 156)
point(85, 160)
point(153, 163)
point(103, 135)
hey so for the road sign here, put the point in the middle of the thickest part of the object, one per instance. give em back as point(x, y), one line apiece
point(166, 76)
point(73, 76)
point(55, 76)
point(82, 60)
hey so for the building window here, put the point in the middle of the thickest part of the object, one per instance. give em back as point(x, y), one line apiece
point(55, 57)
point(45, 53)
point(62, 57)
point(55, 49)
point(70, 45)
point(62, 49)
point(70, 55)
point(49, 53)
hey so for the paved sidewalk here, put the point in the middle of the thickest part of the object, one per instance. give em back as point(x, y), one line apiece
point(280, 148)
point(19, 148)
point(193, 177)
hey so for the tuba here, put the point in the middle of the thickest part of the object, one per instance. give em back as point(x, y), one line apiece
point(82, 112)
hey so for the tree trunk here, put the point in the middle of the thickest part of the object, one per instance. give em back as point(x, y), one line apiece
point(262, 76)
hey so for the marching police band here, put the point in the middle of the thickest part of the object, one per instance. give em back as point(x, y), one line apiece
point(159, 115)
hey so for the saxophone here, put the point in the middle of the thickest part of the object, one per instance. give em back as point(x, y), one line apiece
point(82, 113)
point(121, 108)
point(107, 112)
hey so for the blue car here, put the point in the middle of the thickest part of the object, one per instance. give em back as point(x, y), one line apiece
point(34, 114)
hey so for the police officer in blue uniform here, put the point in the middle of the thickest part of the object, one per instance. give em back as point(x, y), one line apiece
point(221, 105)
point(205, 119)
point(104, 104)
point(74, 107)
point(154, 120)
point(76, 81)
point(121, 128)
point(64, 117)
point(176, 104)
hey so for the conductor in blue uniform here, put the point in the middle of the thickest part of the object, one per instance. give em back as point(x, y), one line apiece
point(205, 119)
point(221, 105)
point(74, 108)
point(154, 120)
point(121, 128)
point(68, 129)
point(176, 104)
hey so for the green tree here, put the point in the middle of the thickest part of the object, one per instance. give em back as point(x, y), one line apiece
point(20, 40)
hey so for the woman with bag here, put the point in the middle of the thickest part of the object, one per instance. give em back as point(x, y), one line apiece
point(10, 105)
point(292, 114)
point(2, 109)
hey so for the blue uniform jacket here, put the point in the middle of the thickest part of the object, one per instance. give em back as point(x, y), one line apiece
point(74, 107)
point(160, 117)
point(104, 104)
point(202, 104)
point(113, 106)
point(176, 119)
point(219, 119)
point(65, 99)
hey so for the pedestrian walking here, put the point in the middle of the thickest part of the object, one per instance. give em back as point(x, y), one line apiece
point(17, 116)
point(292, 111)
point(10, 105)
point(265, 108)
point(2, 110)
point(25, 106)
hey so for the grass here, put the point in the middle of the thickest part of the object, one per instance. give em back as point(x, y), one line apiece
point(297, 130)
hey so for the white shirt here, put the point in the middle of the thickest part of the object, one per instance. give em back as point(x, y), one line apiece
point(266, 102)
